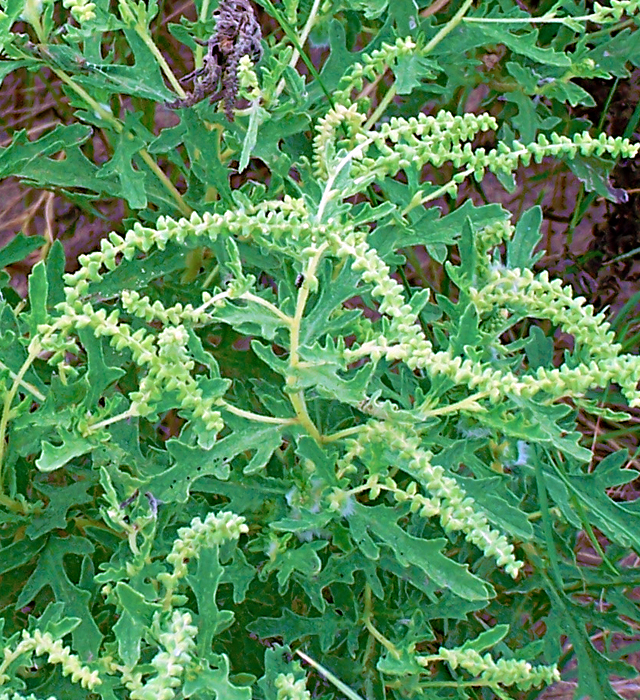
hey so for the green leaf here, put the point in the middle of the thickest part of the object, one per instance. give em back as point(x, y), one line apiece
point(526, 43)
point(132, 181)
point(321, 317)
point(534, 422)
point(61, 500)
point(489, 496)
point(142, 79)
point(214, 679)
point(205, 167)
point(135, 615)
point(539, 349)
point(19, 553)
point(204, 583)
point(594, 172)
point(137, 273)
point(55, 271)
point(38, 297)
point(99, 374)
point(424, 554)
point(51, 571)
point(487, 639)
point(618, 521)
point(290, 627)
point(18, 248)
point(251, 318)
point(55, 456)
point(405, 15)
point(465, 331)
point(616, 52)
point(464, 275)
point(257, 116)
point(19, 157)
point(239, 574)
point(302, 559)
point(193, 462)
point(410, 70)
point(320, 369)
point(520, 249)
point(594, 669)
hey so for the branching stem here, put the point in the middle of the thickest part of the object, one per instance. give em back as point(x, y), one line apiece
point(34, 351)
point(118, 127)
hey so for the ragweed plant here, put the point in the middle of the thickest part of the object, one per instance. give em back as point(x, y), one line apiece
point(237, 437)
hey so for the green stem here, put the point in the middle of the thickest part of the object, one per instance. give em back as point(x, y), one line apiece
point(300, 407)
point(248, 296)
point(202, 16)
point(366, 619)
point(184, 208)
point(133, 16)
point(546, 524)
point(545, 19)
point(256, 416)
point(341, 434)
point(34, 350)
point(311, 19)
point(118, 127)
point(142, 32)
point(448, 27)
point(468, 404)
point(297, 396)
point(291, 35)
point(381, 108)
point(303, 296)
point(114, 419)
point(591, 535)
point(25, 385)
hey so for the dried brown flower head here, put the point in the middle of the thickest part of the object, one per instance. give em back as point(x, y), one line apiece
point(237, 34)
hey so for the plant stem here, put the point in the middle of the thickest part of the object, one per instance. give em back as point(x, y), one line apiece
point(366, 619)
point(25, 385)
point(248, 296)
point(297, 396)
point(142, 32)
point(448, 27)
point(118, 127)
point(255, 416)
point(34, 350)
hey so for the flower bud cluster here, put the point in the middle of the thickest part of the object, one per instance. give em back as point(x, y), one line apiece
point(82, 10)
point(412, 147)
point(447, 500)
point(445, 138)
point(247, 79)
point(176, 636)
point(39, 643)
point(375, 271)
point(291, 689)
point(403, 339)
point(141, 306)
point(324, 142)
point(216, 529)
point(493, 235)
point(539, 297)
point(603, 14)
point(506, 672)
point(425, 139)
point(373, 65)
point(281, 226)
